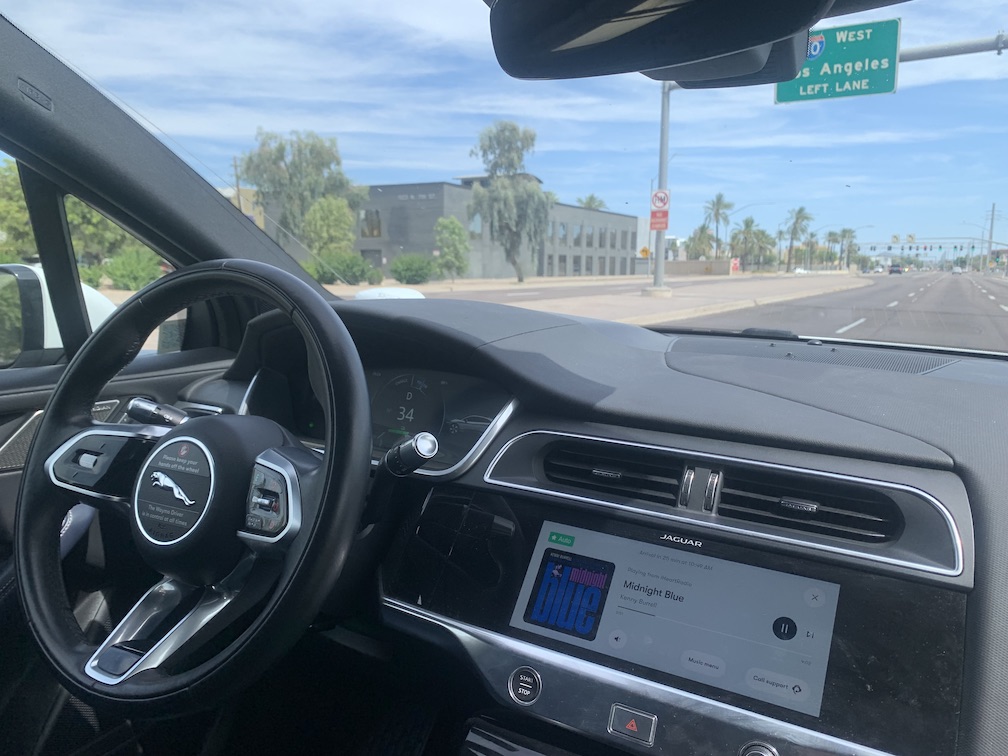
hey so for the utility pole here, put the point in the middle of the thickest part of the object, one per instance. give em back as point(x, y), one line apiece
point(238, 196)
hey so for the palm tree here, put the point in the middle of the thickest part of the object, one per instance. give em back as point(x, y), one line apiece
point(846, 242)
point(699, 242)
point(591, 202)
point(812, 245)
point(764, 245)
point(832, 237)
point(716, 212)
point(781, 236)
point(798, 223)
point(746, 237)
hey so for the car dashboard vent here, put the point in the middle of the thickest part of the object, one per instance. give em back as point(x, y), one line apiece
point(813, 505)
point(612, 471)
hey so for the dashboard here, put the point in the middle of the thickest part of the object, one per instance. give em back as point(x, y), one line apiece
point(763, 554)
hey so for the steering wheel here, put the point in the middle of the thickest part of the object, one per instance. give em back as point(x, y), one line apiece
point(248, 528)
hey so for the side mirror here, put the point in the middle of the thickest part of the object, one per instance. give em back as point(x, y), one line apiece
point(22, 317)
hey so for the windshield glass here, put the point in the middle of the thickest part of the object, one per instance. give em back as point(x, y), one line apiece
point(382, 146)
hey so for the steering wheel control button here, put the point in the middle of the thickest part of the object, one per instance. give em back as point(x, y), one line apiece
point(174, 490)
point(632, 723)
point(785, 628)
point(267, 505)
point(525, 685)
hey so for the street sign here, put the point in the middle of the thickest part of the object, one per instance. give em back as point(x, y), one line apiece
point(659, 209)
point(846, 61)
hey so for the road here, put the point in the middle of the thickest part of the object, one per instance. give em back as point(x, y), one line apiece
point(937, 308)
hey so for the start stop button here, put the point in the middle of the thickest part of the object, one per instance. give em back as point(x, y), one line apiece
point(525, 685)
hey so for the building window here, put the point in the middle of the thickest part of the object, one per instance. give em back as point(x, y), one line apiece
point(370, 227)
point(612, 239)
point(622, 266)
point(563, 234)
point(612, 266)
point(549, 265)
point(577, 235)
point(576, 265)
point(476, 227)
point(549, 231)
point(590, 236)
point(562, 265)
point(588, 265)
point(623, 238)
point(601, 265)
point(602, 237)
point(633, 241)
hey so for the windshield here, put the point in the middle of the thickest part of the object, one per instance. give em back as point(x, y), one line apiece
point(381, 145)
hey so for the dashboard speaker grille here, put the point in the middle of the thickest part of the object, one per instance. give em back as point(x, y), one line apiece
point(626, 473)
point(829, 508)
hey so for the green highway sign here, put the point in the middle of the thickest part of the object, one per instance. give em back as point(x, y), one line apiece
point(846, 61)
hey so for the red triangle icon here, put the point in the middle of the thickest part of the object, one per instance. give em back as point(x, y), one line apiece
point(632, 725)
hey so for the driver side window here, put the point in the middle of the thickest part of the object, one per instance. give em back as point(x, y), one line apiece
point(112, 265)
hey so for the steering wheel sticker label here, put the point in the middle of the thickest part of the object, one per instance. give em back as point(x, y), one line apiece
point(569, 593)
point(173, 492)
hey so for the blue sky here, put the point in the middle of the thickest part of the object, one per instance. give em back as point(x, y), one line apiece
point(406, 87)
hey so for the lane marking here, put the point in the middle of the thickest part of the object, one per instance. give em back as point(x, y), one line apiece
point(912, 294)
point(984, 291)
point(991, 296)
point(523, 294)
point(921, 289)
point(1004, 307)
point(846, 328)
point(893, 304)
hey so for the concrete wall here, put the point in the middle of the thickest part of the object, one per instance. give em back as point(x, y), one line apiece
point(698, 268)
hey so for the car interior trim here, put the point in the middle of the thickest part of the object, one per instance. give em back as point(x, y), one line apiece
point(481, 445)
point(276, 462)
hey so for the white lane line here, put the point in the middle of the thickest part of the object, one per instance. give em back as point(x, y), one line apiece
point(983, 291)
point(921, 289)
point(991, 296)
point(1004, 307)
point(850, 325)
point(912, 294)
point(524, 294)
point(893, 304)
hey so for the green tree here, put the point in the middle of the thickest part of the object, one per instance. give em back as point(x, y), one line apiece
point(95, 238)
point(716, 212)
point(17, 243)
point(412, 268)
point(798, 222)
point(846, 240)
point(292, 173)
point(765, 242)
point(513, 203)
point(329, 226)
point(453, 246)
point(832, 239)
point(591, 202)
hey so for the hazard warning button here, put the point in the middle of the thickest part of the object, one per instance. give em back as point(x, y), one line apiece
point(634, 724)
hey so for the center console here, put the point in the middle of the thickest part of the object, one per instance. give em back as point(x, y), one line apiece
point(671, 641)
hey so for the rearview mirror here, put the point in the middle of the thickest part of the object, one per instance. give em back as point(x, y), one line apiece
point(557, 39)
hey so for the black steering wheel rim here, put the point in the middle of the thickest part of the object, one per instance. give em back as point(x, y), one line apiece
point(313, 564)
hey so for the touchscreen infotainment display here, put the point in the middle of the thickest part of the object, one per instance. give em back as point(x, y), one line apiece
point(745, 629)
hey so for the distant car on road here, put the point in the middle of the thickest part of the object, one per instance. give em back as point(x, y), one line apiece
point(894, 268)
point(879, 269)
point(956, 271)
point(800, 271)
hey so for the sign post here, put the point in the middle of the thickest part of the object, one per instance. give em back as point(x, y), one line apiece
point(846, 61)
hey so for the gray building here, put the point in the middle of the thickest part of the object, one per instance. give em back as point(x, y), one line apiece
point(399, 219)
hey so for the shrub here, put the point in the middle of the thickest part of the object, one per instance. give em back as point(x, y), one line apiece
point(412, 269)
point(133, 268)
point(91, 275)
point(333, 267)
point(375, 276)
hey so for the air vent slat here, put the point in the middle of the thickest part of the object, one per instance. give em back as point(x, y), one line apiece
point(617, 473)
point(840, 510)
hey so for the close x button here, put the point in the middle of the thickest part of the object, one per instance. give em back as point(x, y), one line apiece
point(633, 724)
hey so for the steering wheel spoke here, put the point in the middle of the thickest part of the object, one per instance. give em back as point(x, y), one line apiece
point(100, 463)
point(274, 507)
point(173, 620)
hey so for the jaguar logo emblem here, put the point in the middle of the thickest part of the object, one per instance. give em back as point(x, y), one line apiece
point(160, 480)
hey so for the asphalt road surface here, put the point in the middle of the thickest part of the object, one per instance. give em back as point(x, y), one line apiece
point(939, 309)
